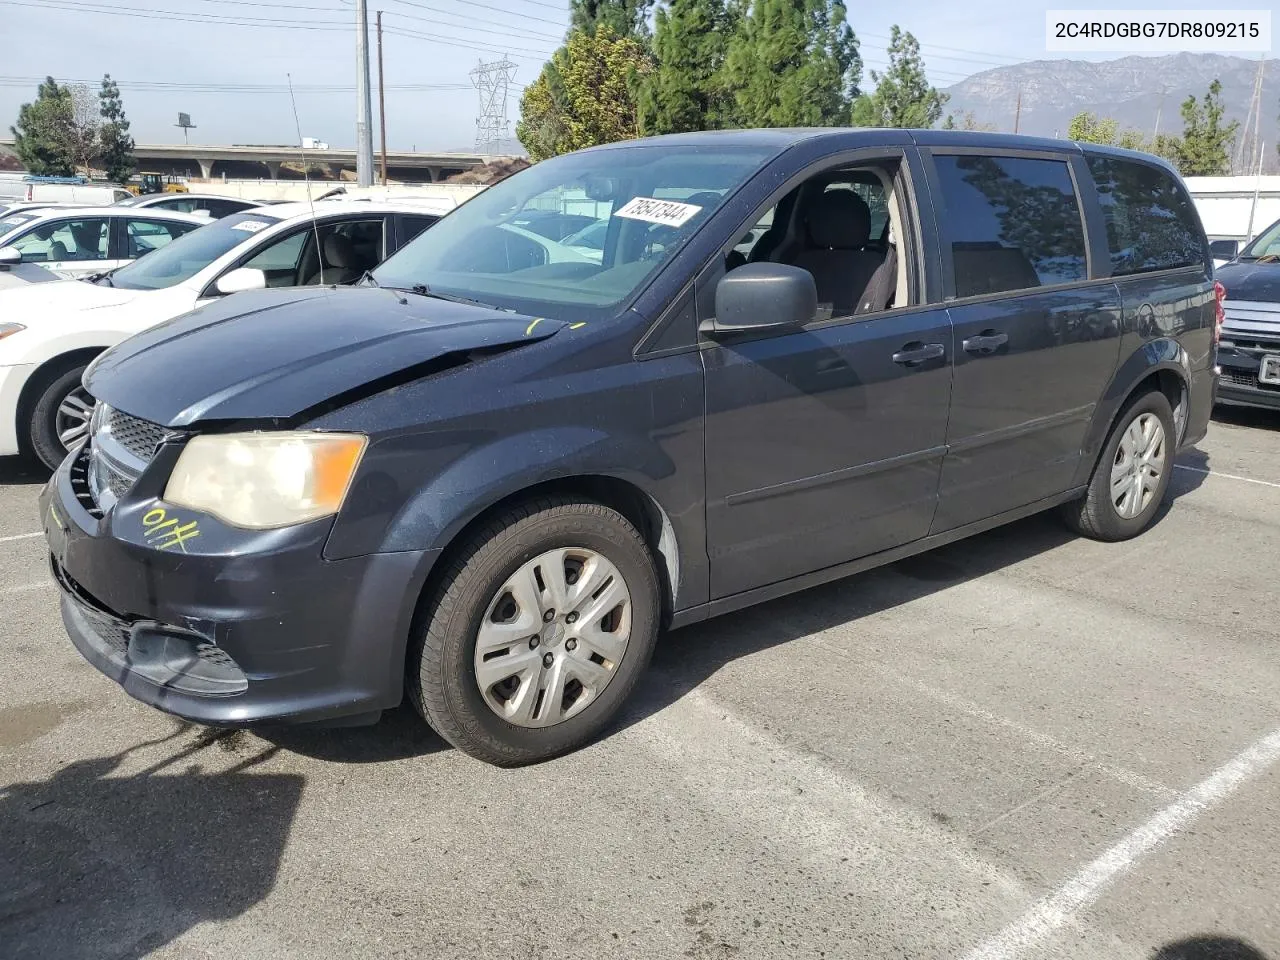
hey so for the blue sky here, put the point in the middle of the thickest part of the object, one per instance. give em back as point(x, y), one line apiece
point(430, 45)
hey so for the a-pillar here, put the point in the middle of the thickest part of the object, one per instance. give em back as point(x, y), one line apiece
point(206, 168)
point(273, 168)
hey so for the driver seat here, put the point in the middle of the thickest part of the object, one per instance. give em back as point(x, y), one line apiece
point(340, 263)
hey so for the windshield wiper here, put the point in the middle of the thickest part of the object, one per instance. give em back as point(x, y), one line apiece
point(367, 279)
point(422, 290)
point(99, 277)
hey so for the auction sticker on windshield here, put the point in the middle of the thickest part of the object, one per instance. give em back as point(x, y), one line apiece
point(666, 212)
point(250, 226)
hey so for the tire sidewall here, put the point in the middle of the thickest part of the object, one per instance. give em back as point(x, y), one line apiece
point(1119, 527)
point(42, 425)
point(511, 549)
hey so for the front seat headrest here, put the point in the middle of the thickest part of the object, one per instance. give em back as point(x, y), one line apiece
point(838, 219)
point(339, 251)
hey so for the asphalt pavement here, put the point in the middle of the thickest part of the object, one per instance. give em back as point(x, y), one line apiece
point(1025, 745)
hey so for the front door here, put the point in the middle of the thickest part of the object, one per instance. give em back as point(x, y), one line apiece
point(824, 444)
point(1036, 340)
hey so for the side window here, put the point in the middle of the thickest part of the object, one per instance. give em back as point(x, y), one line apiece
point(279, 260)
point(411, 226)
point(220, 208)
point(1151, 224)
point(64, 240)
point(1014, 223)
point(147, 236)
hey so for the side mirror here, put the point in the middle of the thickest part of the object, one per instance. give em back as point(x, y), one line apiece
point(10, 256)
point(1224, 249)
point(243, 278)
point(763, 296)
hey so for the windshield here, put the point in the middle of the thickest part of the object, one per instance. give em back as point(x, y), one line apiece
point(10, 224)
point(188, 255)
point(1266, 244)
point(646, 201)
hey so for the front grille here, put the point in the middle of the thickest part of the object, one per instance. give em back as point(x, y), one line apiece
point(112, 630)
point(139, 437)
point(120, 448)
point(1244, 378)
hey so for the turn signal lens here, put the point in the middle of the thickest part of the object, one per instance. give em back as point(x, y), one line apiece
point(265, 480)
point(9, 329)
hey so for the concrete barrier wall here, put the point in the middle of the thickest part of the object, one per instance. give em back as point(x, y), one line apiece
point(297, 189)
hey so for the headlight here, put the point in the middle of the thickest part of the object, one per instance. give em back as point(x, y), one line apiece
point(9, 329)
point(264, 480)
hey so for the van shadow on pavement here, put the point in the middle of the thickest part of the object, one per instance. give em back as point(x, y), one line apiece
point(1209, 947)
point(98, 865)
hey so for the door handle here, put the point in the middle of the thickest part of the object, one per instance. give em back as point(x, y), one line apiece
point(989, 341)
point(915, 353)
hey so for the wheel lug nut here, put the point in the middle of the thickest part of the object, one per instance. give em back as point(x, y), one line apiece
point(548, 660)
point(571, 644)
point(570, 618)
point(548, 616)
point(533, 642)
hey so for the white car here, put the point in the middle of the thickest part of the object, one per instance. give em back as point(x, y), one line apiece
point(81, 241)
point(49, 332)
point(201, 204)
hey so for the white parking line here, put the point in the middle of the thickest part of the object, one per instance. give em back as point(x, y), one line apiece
point(21, 536)
point(1059, 909)
point(1225, 476)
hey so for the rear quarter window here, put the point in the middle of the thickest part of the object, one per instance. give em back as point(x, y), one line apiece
point(1151, 223)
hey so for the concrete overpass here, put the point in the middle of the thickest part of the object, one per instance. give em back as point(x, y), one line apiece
point(264, 161)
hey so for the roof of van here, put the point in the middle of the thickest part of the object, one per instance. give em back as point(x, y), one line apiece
point(854, 137)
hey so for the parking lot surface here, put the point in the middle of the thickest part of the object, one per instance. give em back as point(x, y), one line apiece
point(1023, 745)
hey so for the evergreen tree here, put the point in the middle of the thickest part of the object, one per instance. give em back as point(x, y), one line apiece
point(685, 90)
point(968, 121)
point(626, 18)
point(903, 96)
point(42, 135)
point(793, 63)
point(117, 144)
point(1206, 143)
point(584, 95)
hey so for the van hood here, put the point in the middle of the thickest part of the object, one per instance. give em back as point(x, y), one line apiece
point(1251, 282)
point(276, 354)
point(34, 301)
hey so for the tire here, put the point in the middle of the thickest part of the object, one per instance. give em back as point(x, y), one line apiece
point(497, 723)
point(46, 423)
point(1097, 515)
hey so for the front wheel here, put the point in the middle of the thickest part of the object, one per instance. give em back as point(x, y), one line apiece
point(60, 416)
point(538, 632)
point(1132, 475)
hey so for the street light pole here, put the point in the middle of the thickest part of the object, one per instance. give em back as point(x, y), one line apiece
point(364, 130)
point(382, 103)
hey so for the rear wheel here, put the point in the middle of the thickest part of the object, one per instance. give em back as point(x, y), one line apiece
point(59, 419)
point(1132, 475)
point(538, 632)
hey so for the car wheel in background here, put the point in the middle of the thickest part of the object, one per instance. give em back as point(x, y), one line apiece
point(542, 624)
point(60, 415)
point(1132, 475)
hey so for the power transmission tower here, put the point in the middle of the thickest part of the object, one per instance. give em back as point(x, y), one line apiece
point(1243, 154)
point(493, 80)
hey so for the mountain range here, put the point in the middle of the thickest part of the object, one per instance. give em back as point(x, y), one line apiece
point(1131, 90)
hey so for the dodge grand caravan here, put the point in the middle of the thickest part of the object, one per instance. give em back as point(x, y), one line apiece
point(491, 474)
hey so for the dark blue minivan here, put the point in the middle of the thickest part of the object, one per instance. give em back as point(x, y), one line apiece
point(493, 472)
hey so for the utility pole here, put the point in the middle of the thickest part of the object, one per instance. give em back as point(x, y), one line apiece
point(364, 133)
point(382, 103)
point(1017, 113)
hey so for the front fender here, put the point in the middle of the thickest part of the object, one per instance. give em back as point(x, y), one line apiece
point(387, 511)
point(1161, 353)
